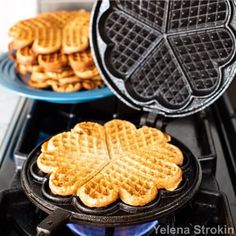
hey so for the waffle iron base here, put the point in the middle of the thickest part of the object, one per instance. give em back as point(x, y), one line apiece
point(71, 209)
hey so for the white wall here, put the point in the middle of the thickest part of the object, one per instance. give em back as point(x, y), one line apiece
point(13, 10)
point(10, 12)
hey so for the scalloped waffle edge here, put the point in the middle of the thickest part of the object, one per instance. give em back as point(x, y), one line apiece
point(101, 164)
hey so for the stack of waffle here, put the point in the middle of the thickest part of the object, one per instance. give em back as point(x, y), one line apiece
point(54, 49)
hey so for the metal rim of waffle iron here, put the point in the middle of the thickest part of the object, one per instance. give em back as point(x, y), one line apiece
point(174, 63)
point(35, 185)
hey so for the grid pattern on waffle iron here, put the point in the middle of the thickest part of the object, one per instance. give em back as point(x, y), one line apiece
point(201, 55)
point(185, 15)
point(150, 12)
point(198, 16)
point(131, 39)
point(160, 76)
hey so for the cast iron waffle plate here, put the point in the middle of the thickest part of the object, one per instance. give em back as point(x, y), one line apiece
point(35, 185)
point(174, 57)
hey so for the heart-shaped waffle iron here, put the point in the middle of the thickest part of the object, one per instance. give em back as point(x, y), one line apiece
point(36, 185)
point(174, 57)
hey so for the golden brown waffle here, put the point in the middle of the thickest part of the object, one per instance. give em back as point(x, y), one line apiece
point(133, 178)
point(90, 84)
point(39, 44)
point(66, 87)
point(125, 137)
point(73, 84)
point(22, 34)
point(26, 56)
point(87, 73)
point(47, 41)
point(64, 153)
point(67, 80)
point(54, 62)
point(25, 69)
point(46, 31)
point(38, 84)
point(38, 75)
point(81, 60)
point(22, 69)
point(25, 32)
point(76, 34)
point(67, 72)
point(60, 18)
point(135, 163)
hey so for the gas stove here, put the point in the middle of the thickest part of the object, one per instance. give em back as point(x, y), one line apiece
point(208, 134)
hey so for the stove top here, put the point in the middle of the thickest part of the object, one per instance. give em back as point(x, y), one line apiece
point(207, 134)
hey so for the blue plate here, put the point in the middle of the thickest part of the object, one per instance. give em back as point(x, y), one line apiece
point(11, 81)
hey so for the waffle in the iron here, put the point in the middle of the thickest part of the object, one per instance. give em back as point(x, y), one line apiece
point(133, 178)
point(131, 164)
point(72, 158)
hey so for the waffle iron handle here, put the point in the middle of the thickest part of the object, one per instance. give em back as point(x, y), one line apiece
point(52, 223)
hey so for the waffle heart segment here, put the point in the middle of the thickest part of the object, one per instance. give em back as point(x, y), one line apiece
point(103, 163)
point(72, 158)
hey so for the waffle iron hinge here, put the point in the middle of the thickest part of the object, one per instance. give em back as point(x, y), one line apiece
point(153, 119)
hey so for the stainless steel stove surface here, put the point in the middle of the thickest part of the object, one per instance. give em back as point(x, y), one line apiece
point(208, 135)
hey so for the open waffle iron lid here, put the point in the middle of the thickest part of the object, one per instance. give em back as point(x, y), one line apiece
point(171, 57)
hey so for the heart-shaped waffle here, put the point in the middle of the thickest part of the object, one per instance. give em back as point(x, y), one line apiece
point(76, 34)
point(47, 34)
point(175, 57)
point(103, 163)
